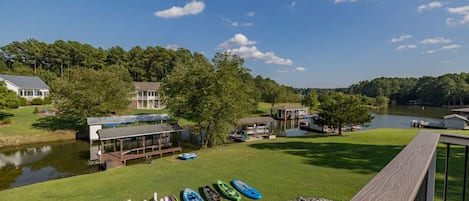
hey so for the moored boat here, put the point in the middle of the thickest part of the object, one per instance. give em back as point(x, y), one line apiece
point(211, 194)
point(228, 191)
point(190, 195)
point(246, 190)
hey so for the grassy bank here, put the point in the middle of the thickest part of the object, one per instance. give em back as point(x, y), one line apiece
point(27, 128)
point(331, 167)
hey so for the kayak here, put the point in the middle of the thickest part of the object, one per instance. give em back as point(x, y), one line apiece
point(190, 195)
point(187, 156)
point(211, 194)
point(228, 191)
point(246, 190)
point(170, 198)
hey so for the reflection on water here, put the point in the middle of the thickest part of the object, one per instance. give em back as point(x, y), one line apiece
point(288, 128)
point(32, 164)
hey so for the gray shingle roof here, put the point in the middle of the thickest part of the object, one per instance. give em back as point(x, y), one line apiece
point(147, 86)
point(136, 131)
point(26, 82)
point(126, 119)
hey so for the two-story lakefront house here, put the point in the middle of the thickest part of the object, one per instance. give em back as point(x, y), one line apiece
point(147, 96)
point(28, 87)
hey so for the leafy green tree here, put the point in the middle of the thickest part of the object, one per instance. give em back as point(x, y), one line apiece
point(89, 92)
point(338, 109)
point(214, 95)
point(311, 100)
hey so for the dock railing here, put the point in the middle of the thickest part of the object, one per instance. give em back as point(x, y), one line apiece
point(410, 176)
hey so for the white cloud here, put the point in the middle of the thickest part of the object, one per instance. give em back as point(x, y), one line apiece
point(237, 24)
point(450, 22)
point(459, 10)
point(300, 69)
point(191, 8)
point(428, 52)
point(402, 47)
point(237, 40)
point(172, 47)
point(430, 6)
point(292, 5)
point(401, 38)
point(254, 53)
point(464, 10)
point(345, 1)
point(435, 40)
point(247, 24)
point(450, 47)
point(250, 14)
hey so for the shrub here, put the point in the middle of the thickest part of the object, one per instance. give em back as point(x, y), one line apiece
point(23, 101)
point(35, 110)
point(5, 121)
point(37, 101)
point(47, 100)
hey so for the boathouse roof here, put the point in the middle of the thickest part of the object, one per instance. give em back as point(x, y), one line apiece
point(147, 86)
point(126, 119)
point(464, 110)
point(290, 107)
point(254, 120)
point(137, 131)
point(452, 116)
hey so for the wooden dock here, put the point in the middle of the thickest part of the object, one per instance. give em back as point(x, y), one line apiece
point(116, 159)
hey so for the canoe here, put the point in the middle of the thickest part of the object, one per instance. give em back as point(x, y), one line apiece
point(190, 195)
point(187, 156)
point(246, 190)
point(170, 198)
point(211, 194)
point(228, 191)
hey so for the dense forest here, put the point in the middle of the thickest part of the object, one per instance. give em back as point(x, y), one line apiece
point(57, 60)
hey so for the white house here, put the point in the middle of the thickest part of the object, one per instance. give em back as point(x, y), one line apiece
point(28, 87)
point(147, 96)
point(455, 121)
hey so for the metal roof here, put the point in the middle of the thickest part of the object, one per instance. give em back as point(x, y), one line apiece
point(461, 110)
point(136, 131)
point(25, 82)
point(147, 86)
point(126, 119)
point(253, 120)
point(451, 116)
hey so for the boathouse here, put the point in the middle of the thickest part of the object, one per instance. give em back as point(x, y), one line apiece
point(289, 112)
point(461, 111)
point(118, 145)
point(455, 121)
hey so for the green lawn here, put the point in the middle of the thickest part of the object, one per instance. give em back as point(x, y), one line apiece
point(27, 127)
point(334, 167)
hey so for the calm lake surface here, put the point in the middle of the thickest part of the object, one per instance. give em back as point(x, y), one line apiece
point(25, 165)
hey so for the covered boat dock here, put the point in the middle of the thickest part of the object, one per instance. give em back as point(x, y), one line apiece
point(287, 112)
point(118, 145)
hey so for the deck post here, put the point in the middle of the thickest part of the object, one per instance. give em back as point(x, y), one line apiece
point(144, 147)
point(159, 145)
point(431, 179)
point(121, 151)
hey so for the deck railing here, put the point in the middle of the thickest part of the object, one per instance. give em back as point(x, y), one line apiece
point(410, 176)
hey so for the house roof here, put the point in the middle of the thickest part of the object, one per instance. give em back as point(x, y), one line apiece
point(466, 110)
point(290, 107)
point(451, 116)
point(125, 119)
point(147, 86)
point(252, 120)
point(26, 82)
point(136, 131)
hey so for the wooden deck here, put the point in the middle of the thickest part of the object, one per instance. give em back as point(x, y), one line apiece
point(115, 159)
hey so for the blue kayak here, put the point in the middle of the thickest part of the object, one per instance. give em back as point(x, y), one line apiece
point(190, 195)
point(246, 190)
point(187, 156)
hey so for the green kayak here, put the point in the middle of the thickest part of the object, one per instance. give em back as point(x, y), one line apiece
point(228, 191)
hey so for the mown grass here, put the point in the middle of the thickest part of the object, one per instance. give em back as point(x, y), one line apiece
point(24, 128)
point(334, 167)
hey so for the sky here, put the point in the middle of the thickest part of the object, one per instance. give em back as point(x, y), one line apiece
point(299, 43)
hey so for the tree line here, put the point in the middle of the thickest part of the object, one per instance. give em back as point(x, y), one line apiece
point(448, 89)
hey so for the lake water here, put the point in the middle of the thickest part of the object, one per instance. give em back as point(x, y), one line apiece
point(25, 165)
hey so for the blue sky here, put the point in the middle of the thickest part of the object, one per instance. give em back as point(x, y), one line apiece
point(300, 43)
